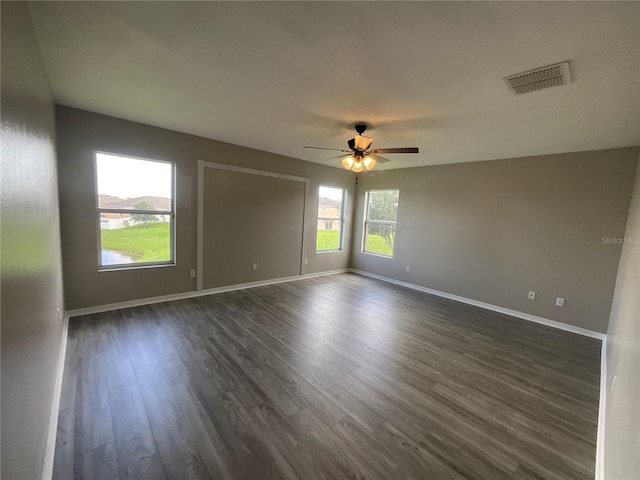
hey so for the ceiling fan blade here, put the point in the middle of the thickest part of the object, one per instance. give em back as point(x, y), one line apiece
point(324, 148)
point(379, 159)
point(395, 150)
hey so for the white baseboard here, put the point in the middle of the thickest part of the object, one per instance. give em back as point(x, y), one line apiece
point(50, 449)
point(487, 306)
point(602, 408)
point(196, 293)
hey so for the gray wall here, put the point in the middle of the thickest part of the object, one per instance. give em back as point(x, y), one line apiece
point(31, 267)
point(622, 416)
point(238, 230)
point(492, 231)
point(82, 133)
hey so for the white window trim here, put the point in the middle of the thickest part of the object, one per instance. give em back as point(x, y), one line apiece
point(171, 213)
point(366, 222)
point(341, 220)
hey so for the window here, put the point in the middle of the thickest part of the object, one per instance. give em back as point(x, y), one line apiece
point(380, 222)
point(135, 210)
point(330, 219)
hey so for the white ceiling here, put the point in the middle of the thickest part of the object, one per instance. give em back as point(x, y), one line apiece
point(277, 76)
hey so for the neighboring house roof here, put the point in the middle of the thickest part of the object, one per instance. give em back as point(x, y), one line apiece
point(105, 199)
point(328, 202)
point(158, 203)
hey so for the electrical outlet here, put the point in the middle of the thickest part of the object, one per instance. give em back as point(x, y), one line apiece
point(306, 261)
point(408, 268)
point(192, 273)
point(254, 266)
point(531, 295)
point(559, 302)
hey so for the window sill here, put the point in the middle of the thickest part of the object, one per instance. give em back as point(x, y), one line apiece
point(377, 254)
point(320, 252)
point(140, 266)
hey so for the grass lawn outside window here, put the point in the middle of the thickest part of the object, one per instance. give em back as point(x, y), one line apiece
point(327, 239)
point(148, 242)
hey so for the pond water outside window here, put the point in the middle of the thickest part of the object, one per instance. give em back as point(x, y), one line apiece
point(113, 257)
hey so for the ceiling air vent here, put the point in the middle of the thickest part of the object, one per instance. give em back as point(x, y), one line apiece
point(544, 77)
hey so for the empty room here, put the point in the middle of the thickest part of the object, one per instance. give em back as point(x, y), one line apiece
point(320, 240)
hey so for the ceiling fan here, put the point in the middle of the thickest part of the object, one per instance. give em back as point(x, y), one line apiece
point(360, 153)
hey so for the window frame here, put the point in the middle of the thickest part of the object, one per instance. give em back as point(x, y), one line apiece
point(366, 222)
point(171, 213)
point(340, 220)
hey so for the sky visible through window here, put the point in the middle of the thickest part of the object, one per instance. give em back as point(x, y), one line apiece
point(126, 177)
point(332, 193)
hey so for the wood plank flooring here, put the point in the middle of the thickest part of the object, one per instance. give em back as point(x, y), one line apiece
point(338, 377)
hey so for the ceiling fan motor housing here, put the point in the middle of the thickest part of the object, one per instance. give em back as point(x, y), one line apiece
point(360, 128)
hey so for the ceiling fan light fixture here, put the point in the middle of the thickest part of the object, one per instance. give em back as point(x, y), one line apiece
point(347, 162)
point(357, 166)
point(368, 163)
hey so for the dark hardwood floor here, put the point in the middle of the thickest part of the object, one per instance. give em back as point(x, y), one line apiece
point(334, 377)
